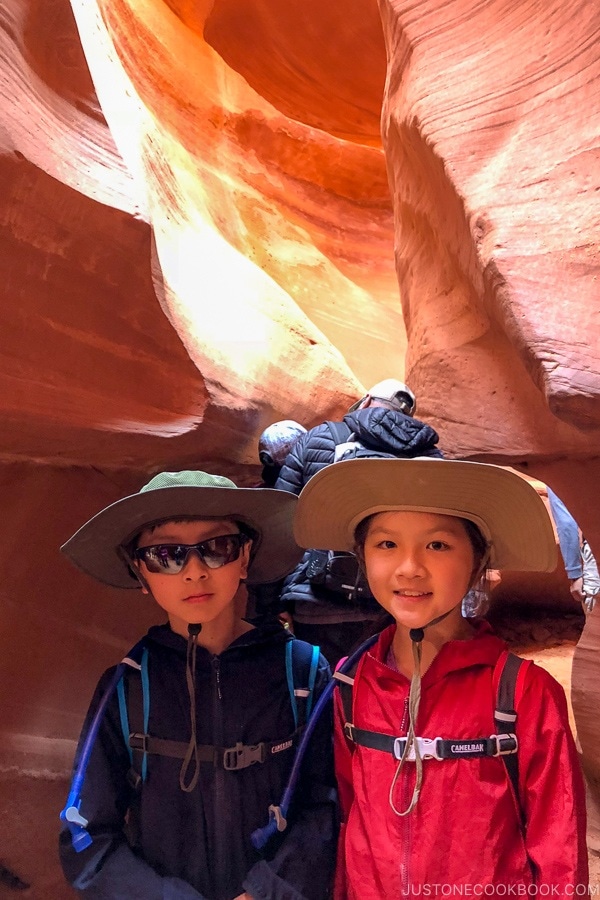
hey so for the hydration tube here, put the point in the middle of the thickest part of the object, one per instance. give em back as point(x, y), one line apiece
point(278, 814)
point(80, 837)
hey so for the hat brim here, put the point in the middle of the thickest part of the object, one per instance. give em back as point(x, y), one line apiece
point(508, 510)
point(94, 548)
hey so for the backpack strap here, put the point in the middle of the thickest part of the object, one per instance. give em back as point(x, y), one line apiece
point(508, 680)
point(133, 690)
point(345, 683)
point(301, 665)
point(134, 711)
point(340, 432)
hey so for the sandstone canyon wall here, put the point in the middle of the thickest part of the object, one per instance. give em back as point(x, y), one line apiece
point(491, 129)
point(197, 236)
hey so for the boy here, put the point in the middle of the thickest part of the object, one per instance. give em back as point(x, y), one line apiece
point(221, 727)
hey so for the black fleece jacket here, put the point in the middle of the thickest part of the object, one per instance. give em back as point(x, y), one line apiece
point(197, 845)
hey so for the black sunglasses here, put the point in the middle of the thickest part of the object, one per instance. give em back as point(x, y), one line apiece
point(170, 559)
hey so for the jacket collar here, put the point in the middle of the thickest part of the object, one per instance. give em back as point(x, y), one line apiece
point(165, 637)
point(482, 650)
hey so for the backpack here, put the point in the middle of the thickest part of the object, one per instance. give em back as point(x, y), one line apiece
point(508, 682)
point(133, 691)
point(335, 570)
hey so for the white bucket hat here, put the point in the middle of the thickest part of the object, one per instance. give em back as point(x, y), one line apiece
point(508, 510)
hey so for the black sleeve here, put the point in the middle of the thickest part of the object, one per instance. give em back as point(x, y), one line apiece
point(108, 869)
point(291, 478)
point(302, 868)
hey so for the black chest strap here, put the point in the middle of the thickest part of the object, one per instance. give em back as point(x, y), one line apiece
point(504, 743)
point(232, 759)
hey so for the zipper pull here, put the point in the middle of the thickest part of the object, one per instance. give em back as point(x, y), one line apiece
point(217, 668)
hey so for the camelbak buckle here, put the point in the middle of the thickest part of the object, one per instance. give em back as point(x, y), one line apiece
point(427, 748)
point(242, 755)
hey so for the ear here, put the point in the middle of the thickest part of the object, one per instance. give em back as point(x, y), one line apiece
point(135, 567)
point(245, 557)
point(365, 402)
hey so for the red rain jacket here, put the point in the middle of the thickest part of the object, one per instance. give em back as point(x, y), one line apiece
point(464, 835)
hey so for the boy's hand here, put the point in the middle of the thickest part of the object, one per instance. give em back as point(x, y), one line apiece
point(243, 896)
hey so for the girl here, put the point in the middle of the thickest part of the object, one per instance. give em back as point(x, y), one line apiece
point(427, 802)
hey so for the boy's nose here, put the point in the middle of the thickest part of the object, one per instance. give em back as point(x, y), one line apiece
point(194, 566)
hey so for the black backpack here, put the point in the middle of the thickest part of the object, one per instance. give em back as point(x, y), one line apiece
point(335, 570)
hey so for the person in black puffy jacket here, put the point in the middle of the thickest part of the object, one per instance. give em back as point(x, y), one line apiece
point(383, 422)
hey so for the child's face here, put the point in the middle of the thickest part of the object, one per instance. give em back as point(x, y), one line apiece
point(197, 594)
point(419, 565)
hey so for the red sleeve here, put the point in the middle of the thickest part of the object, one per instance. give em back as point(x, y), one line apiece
point(343, 771)
point(551, 787)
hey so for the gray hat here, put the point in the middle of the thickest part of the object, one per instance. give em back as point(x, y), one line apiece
point(507, 509)
point(392, 391)
point(96, 548)
point(277, 440)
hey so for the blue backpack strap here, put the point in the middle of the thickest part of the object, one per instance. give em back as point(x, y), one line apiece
point(134, 712)
point(301, 665)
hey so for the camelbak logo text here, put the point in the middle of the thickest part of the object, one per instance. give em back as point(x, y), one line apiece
point(467, 748)
point(279, 747)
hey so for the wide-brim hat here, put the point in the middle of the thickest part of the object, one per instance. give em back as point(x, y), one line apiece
point(508, 510)
point(96, 548)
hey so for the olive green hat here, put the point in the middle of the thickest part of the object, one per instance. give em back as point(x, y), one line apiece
point(97, 547)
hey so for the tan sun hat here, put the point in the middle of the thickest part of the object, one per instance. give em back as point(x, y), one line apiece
point(96, 547)
point(508, 510)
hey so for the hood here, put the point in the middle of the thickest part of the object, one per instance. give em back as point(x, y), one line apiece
point(392, 431)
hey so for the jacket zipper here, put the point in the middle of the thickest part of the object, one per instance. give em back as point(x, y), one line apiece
point(405, 829)
point(219, 819)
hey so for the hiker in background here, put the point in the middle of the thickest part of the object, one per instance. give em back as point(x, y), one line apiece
point(274, 444)
point(437, 788)
point(578, 559)
point(197, 740)
point(330, 603)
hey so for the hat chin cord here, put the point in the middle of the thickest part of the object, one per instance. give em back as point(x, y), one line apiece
point(414, 698)
point(190, 677)
point(194, 630)
point(416, 636)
